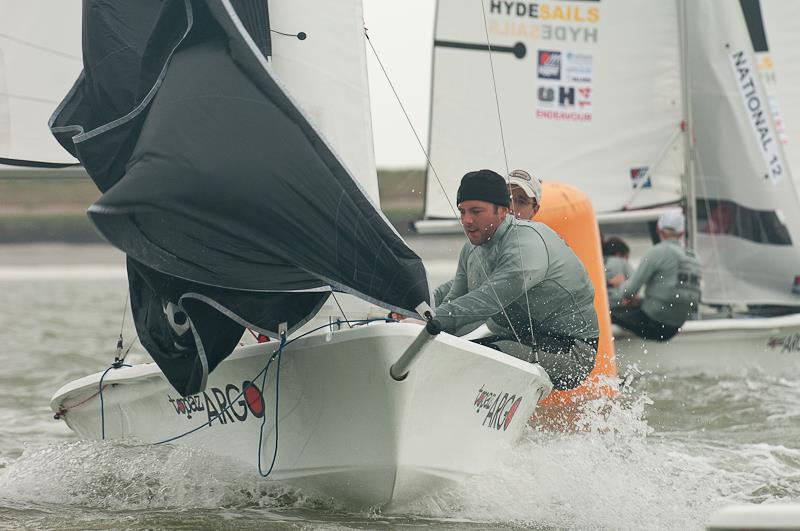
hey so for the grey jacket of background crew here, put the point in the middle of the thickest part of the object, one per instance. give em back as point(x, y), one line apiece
point(671, 278)
point(521, 255)
point(616, 265)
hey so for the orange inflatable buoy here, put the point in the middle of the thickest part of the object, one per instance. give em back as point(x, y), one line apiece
point(568, 211)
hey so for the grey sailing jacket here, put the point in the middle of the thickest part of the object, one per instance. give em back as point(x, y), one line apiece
point(491, 281)
point(671, 280)
point(616, 265)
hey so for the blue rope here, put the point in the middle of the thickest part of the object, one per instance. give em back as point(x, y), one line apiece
point(115, 365)
point(264, 418)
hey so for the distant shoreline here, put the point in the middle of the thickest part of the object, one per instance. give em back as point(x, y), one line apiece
point(54, 210)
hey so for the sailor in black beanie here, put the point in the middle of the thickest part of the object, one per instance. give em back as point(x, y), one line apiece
point(483, 201)
point(523, 282)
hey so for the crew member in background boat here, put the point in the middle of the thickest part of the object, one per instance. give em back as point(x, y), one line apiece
point(524, 282)
point(525, 193)
point(671, 278)
point(615, 262)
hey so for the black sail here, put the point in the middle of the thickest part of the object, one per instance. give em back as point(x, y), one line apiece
point(232, 209)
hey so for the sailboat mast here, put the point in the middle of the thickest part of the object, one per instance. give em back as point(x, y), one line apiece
point(688, 180)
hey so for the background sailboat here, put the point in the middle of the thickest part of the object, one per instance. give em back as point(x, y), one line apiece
point(47, 35)
point(590, 95)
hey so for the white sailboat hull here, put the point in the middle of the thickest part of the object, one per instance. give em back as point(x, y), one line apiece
point(345, 428)
point(718, 347)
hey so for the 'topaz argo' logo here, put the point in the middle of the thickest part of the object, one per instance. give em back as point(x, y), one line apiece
point(216, 404)
point(500, 408)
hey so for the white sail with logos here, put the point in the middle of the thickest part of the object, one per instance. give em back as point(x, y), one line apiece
point(747, 204)
point(40, 58)
point(588, 94)
point(337, 101)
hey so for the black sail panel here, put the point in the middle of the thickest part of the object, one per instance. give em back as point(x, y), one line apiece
point(190, 328)
point(232, 209)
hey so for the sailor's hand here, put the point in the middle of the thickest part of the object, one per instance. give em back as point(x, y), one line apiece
point(633, 301)
point(616, 281)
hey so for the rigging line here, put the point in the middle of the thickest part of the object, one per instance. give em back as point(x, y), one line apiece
point(124, 312)
point(494, 85)
point(413, 129)
point(40, 47)
point(508, 176)
point(102, 402)
point(436, 175)
point(264, 417)
point(119, 357)
point(340, 309)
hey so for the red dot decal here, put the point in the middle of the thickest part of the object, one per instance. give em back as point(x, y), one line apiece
point(255, 402)
point(511, 411)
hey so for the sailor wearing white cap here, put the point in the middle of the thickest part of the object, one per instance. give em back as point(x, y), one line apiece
point(526, 194)
point(671, 279)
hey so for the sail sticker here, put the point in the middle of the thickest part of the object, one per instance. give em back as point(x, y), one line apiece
point(758, 115)
point(566, 97)
point(578, 68)
point(546, 11)
point(545, 21)
point(549, 65)
point(500, 408)
point(637, 174)
point(766, 68)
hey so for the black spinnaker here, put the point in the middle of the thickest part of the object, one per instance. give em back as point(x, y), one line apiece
point(231, 208)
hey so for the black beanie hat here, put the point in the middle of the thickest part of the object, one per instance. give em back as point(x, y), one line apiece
point(483, 185)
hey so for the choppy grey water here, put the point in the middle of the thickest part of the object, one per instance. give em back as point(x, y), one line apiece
point(667, 454)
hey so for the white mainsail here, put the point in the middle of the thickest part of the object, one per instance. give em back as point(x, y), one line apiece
point(748, 207)
point(40, 59)
point(589, 94)
point(336, 98)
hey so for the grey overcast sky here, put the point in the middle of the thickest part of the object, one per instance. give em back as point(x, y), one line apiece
point(402, 34)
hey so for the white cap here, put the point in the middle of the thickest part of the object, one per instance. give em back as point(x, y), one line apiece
point(531, 185)
point(672, 220)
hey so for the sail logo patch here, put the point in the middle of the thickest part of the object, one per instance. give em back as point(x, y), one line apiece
point(223, 405)
point(637, 174)
point(578, 68)
point(564, 90)
point(500, 408)
point(549, 65)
